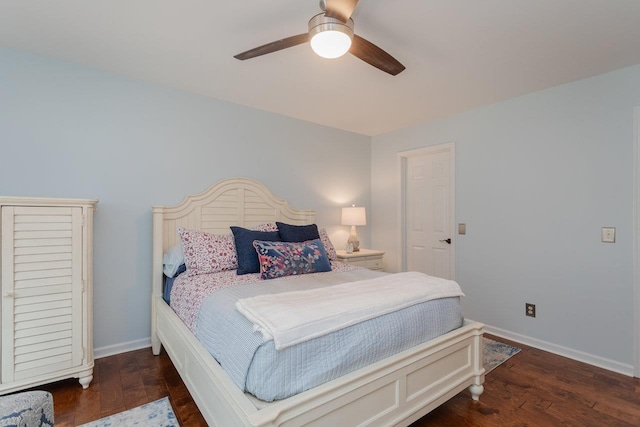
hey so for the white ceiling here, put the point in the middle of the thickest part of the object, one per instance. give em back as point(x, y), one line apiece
point(459, 54)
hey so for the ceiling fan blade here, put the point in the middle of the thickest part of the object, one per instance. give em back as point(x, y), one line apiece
point(340, 9)
point(273, 46)
point(373, 55)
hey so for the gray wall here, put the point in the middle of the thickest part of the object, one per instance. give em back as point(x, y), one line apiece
point(536, 178)
point(71, 131)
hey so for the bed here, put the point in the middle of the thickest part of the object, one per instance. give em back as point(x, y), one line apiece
point(397, 390)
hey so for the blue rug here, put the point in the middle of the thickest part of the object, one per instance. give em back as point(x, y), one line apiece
point(154, 414)
point(495, 353)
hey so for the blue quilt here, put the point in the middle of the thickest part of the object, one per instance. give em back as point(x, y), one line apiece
point(256, 367)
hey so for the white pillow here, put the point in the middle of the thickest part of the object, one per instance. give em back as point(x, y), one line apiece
point(173, 259)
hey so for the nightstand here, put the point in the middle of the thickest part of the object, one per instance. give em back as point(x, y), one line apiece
point(367, 258)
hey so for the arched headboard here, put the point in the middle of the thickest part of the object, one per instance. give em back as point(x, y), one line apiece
point(234, 201)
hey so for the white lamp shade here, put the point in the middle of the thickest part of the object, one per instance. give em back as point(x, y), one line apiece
point(330, 44)
point(354, 216)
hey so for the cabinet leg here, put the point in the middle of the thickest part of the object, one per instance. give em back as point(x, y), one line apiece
point(86, 380)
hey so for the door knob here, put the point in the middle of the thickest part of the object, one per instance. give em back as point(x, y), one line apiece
point(446, 240)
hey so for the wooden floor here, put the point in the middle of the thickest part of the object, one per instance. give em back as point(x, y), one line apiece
point(533, 388)
point(123, 382)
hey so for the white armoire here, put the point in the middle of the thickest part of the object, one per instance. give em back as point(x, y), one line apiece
point(46, 273)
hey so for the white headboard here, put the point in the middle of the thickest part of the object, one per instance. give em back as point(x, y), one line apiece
point(234, 201)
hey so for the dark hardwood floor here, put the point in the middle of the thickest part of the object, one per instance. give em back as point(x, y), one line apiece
point(123, 382)
point(533, 388)
point(537, 388)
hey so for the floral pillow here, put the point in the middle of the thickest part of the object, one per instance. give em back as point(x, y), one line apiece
point(328, 246)
point(266, 226)
point(207, 253)
point(278, 259)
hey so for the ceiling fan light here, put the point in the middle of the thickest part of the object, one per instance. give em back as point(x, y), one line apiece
point(330, 44)
point(330, 37)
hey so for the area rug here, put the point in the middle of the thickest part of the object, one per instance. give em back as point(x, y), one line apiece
point(154, 414)
point(495, 353)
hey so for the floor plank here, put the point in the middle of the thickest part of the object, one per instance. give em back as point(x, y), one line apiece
point(533, 388)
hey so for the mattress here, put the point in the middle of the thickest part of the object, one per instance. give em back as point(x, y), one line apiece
point(254, 364)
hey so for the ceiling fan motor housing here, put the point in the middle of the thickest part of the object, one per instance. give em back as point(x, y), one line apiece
point(320, 23)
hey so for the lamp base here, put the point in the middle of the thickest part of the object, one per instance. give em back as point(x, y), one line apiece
point(355, 243)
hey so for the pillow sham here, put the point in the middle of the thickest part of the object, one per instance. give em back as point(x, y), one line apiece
point(328, 246)
point(278, 259)
point(297, 233)
point(266, 226)
point(245, 252)
point(172, 260)
point(207, 253)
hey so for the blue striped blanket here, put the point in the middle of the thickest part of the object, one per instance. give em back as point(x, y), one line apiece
point(255, 365)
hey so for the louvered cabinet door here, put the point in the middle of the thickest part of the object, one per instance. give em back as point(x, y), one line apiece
point(42, 291)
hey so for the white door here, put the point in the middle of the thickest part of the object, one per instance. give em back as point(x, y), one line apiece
point(428, 211)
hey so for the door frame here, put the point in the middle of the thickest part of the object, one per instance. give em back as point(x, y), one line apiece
point(636, 242)
point(449, 147)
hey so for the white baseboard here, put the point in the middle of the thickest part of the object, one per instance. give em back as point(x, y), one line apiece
point(578, 355)
point(110, 350)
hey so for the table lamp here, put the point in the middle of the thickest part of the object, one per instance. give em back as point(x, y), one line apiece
point(354, 216)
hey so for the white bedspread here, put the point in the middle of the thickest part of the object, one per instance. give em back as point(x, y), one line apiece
point(290, 318)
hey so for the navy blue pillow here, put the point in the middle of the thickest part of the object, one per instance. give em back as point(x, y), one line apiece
point(297, 233)
point(168, 283)
point(247, 255)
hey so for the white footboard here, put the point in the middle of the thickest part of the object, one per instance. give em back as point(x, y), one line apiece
point(392, 392)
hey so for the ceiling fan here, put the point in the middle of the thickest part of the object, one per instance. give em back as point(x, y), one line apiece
point(331, 36)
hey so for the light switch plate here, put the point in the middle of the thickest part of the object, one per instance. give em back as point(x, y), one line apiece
point(608, 234)
point(462, 228)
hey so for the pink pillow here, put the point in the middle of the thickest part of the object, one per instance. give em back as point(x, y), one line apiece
point(328, 246)
point(207, 253)
point(266, 226)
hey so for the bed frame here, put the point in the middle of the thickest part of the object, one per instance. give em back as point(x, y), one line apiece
point(395, 391)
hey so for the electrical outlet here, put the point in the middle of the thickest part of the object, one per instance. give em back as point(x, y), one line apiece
point(608, 235)
point(530, 309)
